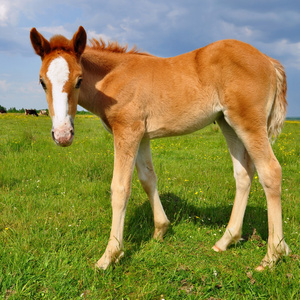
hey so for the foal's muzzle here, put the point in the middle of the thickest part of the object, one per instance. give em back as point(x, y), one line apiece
point(63, 135)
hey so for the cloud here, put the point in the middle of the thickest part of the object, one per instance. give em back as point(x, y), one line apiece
point(287, 52)
point(4, 85)
point(8, 13)
point(53, 30)
point(231, 30)
point(3, 14)
point(11, 10)
point(25, 94)
point(28, 88)
point(92, 34)
point(31, 88)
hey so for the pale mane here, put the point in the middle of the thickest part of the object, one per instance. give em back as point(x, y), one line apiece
point(114, 47)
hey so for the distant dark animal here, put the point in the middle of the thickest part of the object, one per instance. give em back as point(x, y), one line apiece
point(3, 111)
point(43, 112)
point(31, 112)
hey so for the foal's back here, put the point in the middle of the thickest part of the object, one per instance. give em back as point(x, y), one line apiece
point(181, 94)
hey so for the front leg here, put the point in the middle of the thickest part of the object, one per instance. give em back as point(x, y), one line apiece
point(126, 145)
point(114, 250)
point(148, 180)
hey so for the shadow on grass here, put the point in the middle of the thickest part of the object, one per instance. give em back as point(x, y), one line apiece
point(140, 227)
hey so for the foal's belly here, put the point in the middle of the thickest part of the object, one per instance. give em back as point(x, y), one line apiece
point(182, 124)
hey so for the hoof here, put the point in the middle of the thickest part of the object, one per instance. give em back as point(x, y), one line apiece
point(160, 231)
point(260, 268)
point(104, 262)
point(101, 266)
point(215, 248)
point(119, 257)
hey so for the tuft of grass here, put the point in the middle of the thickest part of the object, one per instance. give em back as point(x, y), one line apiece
point(56, 217)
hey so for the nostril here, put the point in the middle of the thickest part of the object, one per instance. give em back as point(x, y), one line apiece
point(63, 136)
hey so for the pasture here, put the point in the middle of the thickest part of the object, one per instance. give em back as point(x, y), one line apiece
point(56, 217)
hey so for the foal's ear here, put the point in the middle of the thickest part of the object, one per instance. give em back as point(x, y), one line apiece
point(40, 45)
point(79, 41)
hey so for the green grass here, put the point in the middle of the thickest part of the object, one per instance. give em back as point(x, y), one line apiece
point(56, 217)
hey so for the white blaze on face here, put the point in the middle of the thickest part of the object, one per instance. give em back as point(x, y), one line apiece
point(62, 123)
point(58, 74)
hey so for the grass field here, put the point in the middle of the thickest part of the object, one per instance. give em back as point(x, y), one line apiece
point(56, 217)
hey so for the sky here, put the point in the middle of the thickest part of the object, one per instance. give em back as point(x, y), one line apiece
point(163, 28)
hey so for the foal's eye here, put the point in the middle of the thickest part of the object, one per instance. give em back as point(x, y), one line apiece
point(43, 84)
point(79, 80)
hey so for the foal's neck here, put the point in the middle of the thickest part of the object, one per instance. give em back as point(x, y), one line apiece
point(99, 62)
point(96, 64)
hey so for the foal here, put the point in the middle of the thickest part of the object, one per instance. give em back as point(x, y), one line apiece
point(140, 97)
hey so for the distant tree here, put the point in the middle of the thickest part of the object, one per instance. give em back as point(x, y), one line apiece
point(83, 112)
point(2, 108)
point(12, 110)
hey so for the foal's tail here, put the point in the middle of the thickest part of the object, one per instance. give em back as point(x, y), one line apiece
point(279, 107)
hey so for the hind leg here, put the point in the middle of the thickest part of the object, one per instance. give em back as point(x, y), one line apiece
point(254, 137)
point(148, 180)
point(269, 172)
point(243, 173)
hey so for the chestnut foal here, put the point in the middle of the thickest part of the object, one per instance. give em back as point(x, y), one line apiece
point(140, 97)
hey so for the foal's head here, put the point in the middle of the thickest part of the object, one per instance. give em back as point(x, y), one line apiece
point(61, 76)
